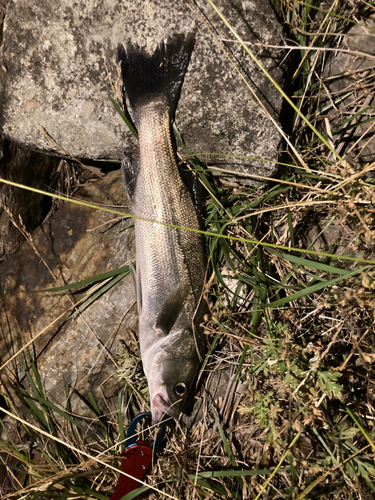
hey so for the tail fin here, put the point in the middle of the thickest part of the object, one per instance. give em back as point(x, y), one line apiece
point(159, 73)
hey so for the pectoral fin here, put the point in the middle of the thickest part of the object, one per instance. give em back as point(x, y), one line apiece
point(172, 308)
point(137, 287)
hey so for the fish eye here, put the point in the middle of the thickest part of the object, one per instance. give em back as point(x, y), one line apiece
point(180, 388)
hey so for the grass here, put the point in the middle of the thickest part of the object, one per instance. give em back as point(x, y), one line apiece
point(292, 318)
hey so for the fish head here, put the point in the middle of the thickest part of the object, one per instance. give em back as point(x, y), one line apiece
point(171, 366)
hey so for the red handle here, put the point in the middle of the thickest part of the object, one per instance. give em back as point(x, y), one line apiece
point(135, 462)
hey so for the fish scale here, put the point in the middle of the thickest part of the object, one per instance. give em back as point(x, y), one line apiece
point(164, 198)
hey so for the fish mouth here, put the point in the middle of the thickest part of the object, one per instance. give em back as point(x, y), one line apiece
point(161, 406)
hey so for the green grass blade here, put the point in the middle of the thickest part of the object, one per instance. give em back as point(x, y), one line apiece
point(313, 264)
point(223, 437)
point(333, 14)
point(120, 419)
point(122, 114)
point(361, 428)
point(205, 233)
point(311, 289)
point(101, 418)
point(237, 473)
point(89, 281)
point(98, 294)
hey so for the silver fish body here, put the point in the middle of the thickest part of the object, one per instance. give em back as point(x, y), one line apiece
point(170, 262)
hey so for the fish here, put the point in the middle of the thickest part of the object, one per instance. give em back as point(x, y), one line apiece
point(170, 262)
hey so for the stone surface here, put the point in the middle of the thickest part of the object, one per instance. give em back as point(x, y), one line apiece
point(73, 244)
point(346, 79)
point(25, 209)
point(58, 55)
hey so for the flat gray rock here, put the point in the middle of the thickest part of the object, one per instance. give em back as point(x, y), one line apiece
point(74, 243)
point(59, 64)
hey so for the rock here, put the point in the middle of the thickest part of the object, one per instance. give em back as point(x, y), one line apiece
point(360, 41)
point(59, 71)
point(3, 4)
point(346, 71)
point(19, 207)
point(73, 244)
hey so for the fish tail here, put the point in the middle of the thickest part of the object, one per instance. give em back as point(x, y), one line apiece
point(160, 73)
